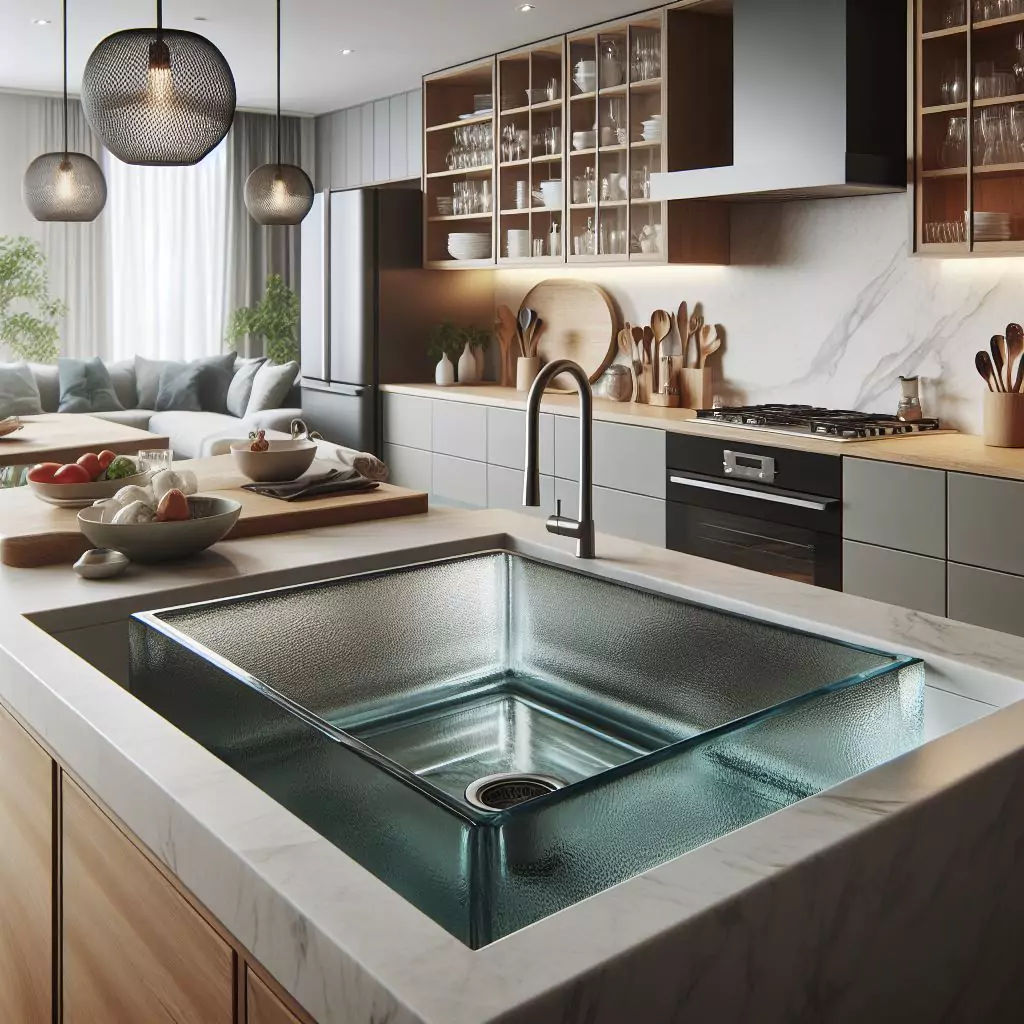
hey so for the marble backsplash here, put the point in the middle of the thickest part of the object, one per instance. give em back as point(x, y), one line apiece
point(826, 304)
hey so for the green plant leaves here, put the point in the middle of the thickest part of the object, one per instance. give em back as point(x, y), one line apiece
point(32, 328)
point(275, 319)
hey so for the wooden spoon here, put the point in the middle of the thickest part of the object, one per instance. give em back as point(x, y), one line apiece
point(983, 364)
point(508, 335)
point(638, 341)
point(626, 348)
point(710, 343)
point(696, 326)
point(1014, 352)
point(682, 326)
point(998, 346)
point(661, 324)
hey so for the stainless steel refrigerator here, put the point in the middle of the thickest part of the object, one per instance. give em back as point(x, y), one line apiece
point(368, 307)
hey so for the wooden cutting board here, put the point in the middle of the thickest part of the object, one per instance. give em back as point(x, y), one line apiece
point(579, 323)
point(34, 534)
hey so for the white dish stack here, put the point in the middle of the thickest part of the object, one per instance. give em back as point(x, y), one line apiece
point(552, 194)
point(517, 247)
point(469, 245)
point(991, 227)
point(652, 129)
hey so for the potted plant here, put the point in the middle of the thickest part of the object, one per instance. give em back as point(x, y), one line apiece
point(461, 346)
point(29, 318)
point(275, 319)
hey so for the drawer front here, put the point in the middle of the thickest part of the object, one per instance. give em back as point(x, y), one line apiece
point(505, 490)
point(985, 598)
point(458, 482)
point(632, 516)
point(899, 507)
point(460, 430)
point(409, 467)
point(894, 577)
point(625, 458)
point(985, 516)
point(506, 440)
point(408, 421)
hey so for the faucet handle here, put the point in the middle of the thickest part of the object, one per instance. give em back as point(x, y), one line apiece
point(558, 508)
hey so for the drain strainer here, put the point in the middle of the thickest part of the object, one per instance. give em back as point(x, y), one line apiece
point(498, 792)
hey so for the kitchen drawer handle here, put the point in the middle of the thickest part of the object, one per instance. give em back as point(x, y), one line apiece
point(746, 492)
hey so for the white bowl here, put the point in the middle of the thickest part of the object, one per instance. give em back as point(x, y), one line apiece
point(82, 495)
point(284, 460)
point(212, 520)
point(586, 67)
point(584, 140)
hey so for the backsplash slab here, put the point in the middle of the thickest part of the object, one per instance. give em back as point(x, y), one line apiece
point(825, 304)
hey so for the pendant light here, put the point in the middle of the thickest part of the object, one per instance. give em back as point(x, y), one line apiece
point(158, 97)
point(64, 186)
point(277, 193)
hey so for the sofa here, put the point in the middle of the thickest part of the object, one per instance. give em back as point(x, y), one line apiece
point(193, 434)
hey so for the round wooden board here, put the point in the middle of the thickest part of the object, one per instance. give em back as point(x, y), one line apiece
point(579, 323)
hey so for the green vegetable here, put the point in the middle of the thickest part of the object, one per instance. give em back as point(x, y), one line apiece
point(120, 468)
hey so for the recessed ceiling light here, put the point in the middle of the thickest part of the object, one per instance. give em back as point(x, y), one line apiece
point(525, 8)
point(347, 52)
point(200, 17)
point(40, 21)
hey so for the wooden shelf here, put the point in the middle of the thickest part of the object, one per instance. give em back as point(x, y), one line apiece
point(646, 202)
point(462, 172)
point(1014, 247)
point(612, 204)
point(511, 111)
point(583, 152)
point(547, 158)
point(448, 126)
point(583, 206)
point(514, 163)
point(991, 23)
point(457, 264)
point(647, 85)
point(999, 170)
point(946, 108)
point(460, 216)
point(514, 213)
point(613, 149)
point(644, 144)
point(613, 90)
point(998, 101)
point(945, 33)
point(946, 172)
point(547, 105)
point(582, 96)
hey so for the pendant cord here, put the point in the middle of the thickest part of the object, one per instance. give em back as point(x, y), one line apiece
point(278, 83)
point(64, 13)
point(159, 19)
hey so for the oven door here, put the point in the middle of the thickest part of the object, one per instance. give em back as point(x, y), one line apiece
point(781, 533)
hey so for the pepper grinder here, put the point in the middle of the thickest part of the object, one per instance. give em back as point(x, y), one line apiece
point(909, 410)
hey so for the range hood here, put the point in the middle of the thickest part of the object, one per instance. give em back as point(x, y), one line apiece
point(819, 103)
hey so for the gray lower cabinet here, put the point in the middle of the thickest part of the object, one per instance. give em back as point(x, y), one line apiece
point(631, 516)
point(895, 577)
point(410, 467)
point(460, 429)
point(894, 506)
point(408, 421)
point(985, 598)
point(505, 490)
point(625, 458)
point(458, 482)
point(506, 440)
point(985, 516)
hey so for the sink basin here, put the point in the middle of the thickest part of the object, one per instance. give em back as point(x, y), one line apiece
point(497, 738)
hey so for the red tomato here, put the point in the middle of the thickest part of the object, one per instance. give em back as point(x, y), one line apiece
point(43, 473)
point(92, 465)
point(173, 507)
point(106, 457)
point(72, 474)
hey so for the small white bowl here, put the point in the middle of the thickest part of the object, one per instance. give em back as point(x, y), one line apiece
point(584, 140)
point(284, 460)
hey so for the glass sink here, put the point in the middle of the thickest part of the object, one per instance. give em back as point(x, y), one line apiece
point(497, 738)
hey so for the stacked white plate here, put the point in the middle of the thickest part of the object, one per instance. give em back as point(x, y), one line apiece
point(518, 245)
point(469, 245)
point(991, 227)
point(652, 129)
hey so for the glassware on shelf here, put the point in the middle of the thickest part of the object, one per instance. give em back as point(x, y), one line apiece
point(515, 144)
point(470, 197)
point(473, 146)
point(645, 56)
point(991, 82)
point(987, 10)
point(555, 239)
point(553, 90)
point(955, 14)
point(953, 151)
point(552, 140)
point(952, 86)
point(584, 188)
point(585, 243)
point(640, 187)
point(999, 135)
point(612, 67)
point(945, 231)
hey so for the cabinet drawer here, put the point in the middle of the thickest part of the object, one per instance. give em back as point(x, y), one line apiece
point(625, 458)
point(985, 598)
point(408, 421)
point(895, 577)
point(505, 490)
point(458, 482)
point(632, 516)
point(506, 440)
point(899, 507)
point(460, 430)
point(409, 467)
point(985, 515)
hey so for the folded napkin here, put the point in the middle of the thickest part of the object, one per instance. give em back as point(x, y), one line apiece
point(320, 485)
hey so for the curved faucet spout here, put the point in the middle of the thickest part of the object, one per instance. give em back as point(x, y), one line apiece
point(583, 528)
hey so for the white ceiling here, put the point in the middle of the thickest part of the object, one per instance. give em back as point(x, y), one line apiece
point(395, 41)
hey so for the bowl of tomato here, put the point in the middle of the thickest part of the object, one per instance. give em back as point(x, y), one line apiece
point(78, 484)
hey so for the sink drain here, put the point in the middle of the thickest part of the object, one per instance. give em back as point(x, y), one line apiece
point(499, 792)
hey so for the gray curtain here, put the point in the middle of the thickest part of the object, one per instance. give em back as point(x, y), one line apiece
point(255, 252)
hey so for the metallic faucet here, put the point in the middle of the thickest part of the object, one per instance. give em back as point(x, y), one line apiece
point(583, 529)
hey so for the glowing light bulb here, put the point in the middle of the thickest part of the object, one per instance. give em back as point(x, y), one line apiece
point(279, 191)
point(159, 87)
point(65, 184)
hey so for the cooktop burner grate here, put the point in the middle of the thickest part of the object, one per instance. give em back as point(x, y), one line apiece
point(834, 424)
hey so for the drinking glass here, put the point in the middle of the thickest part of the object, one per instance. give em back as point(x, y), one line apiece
point(153, 460)
point(953, 152)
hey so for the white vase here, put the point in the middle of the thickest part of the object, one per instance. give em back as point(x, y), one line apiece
point(467, 366)
point(444, 374)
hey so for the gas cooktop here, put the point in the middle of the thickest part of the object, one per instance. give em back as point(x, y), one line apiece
point(828, 424)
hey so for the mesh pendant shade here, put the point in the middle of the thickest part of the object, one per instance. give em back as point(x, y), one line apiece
point(278, 194)
point(64, 187)
point(158, 97)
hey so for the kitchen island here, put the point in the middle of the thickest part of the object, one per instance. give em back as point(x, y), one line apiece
point(899, 889)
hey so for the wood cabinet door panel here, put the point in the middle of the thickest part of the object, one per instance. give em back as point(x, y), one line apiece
point(26, 876)
point(262, 1006)
point(134, 949)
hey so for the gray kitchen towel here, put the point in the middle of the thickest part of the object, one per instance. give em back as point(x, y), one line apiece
point(322, 485)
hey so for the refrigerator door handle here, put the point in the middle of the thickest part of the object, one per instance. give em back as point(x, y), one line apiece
point(326, 323)
point(349, 391)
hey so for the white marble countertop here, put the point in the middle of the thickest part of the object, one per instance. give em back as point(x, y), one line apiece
point(352, 951)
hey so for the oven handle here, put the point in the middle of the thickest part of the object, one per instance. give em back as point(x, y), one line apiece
point(747, 492)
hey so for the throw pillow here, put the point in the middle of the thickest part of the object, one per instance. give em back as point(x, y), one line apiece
point(122, 376)
point(48, 382)
point(180, 387)
point(85, 386)
point(241, 385)
point(213, 387)
point(19, 393)
point(270, 386)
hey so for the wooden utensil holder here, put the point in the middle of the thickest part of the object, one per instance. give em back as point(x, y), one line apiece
point(527, 369)
point(665, 401)
point(696, 388)
point(645, 379)
point(1004, 420)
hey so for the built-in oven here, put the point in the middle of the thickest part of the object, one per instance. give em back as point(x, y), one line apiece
point(772, 510)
